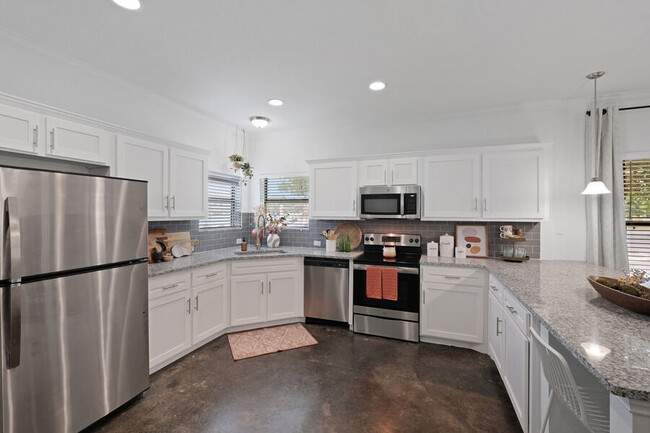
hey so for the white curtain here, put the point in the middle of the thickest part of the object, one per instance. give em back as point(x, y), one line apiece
point(606, 243)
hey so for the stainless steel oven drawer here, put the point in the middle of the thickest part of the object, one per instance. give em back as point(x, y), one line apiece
point(399, 329)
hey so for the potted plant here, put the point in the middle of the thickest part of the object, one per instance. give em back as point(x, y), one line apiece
point(238, 163)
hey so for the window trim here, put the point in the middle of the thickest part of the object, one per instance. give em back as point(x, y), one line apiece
point(226, 177)
point(284, 176)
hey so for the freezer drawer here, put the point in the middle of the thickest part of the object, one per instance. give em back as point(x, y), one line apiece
point(83, 349)
point(327, 289)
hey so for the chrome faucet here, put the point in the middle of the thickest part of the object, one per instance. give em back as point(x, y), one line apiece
point(260, 232)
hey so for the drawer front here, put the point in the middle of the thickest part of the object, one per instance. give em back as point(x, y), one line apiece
point(517, 312)
point(242, 267)
point(496, 288)
point(168, 284)
point(208, 274)
point(450, 275)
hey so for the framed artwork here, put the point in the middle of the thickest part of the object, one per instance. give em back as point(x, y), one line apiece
point(474, 238)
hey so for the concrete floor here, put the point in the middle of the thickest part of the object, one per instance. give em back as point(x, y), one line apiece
point(346, 383)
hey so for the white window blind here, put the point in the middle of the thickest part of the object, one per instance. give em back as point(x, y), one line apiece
point(224, 202)
point(287, 196)
point(636, 184)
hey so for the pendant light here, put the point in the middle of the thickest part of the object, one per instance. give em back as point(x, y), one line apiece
point(596, 186)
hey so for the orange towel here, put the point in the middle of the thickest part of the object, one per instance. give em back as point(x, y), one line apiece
point(389, 283)
point(373, 282)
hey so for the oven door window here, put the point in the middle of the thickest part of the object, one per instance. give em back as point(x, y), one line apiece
point(408, 293)
point(381, 204)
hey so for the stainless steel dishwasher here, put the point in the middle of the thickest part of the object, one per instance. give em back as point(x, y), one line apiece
point(327, 291)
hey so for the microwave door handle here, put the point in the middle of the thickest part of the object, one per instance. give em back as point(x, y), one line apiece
point(12, 337)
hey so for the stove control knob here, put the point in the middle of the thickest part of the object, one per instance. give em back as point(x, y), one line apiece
point(417, 241)
point(372, 239)
point(411, 240)
point(367, 238)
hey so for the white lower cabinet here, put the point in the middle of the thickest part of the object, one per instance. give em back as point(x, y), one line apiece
point(515, 371)
point(259, 296)
point(247, 300)
point(453, 304)
point(508, 346)
point(210, 310)
point(182, 315)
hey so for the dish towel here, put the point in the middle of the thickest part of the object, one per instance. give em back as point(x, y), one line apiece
point(389, 283)
point(373, 282)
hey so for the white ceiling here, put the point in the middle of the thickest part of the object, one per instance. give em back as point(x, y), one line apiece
point(227, 58)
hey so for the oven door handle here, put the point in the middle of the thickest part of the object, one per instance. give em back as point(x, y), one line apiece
point(400, 270)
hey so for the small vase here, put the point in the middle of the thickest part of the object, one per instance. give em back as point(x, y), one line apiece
point(273, 240)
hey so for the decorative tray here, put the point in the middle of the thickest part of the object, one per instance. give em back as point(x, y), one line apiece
point(629, 302)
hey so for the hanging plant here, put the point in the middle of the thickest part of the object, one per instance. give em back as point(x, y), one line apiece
point(238, 162)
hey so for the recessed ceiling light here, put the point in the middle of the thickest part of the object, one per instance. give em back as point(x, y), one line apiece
point(260, 122)
point(276, 102)
point(377, 85)
point(131, 5)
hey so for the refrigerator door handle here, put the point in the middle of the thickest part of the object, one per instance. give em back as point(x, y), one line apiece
point(12, 337)
point(13, 239)
point(14, 291)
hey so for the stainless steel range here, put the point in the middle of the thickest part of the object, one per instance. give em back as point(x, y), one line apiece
point(388, 316)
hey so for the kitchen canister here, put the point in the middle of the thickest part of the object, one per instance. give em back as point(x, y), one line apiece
point(432, 249)
point(330, 245)
point(446, 246)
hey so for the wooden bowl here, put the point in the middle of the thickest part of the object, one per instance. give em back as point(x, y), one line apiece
point(629, 302)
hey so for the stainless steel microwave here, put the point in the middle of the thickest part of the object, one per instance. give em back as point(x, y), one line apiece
point(395, 202)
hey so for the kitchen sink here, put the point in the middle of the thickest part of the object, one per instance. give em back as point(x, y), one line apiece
point(263, 251)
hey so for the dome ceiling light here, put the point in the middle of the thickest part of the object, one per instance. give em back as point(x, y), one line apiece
point(276, 102)
point(132, 5)
point(377, 85)
point(260, 122)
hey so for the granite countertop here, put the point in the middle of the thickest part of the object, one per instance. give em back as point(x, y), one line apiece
point(207, 258)
point(558, 293)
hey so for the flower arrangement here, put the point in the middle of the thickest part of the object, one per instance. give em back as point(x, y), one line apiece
point(276, 223)
point(238, 163)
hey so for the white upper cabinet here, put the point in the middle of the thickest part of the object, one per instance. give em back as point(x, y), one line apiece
point(71, 140)
point(188, 188)
point(144, 160)
point(403, 171)
point(19, 130)
point(513, 185)
point(400, 171)
point(333, 190)
point(452, 186)
point(373, 172)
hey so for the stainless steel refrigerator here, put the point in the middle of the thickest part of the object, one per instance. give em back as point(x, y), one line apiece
point(73, 286)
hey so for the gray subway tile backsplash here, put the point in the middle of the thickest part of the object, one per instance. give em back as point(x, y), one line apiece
point(430, 230)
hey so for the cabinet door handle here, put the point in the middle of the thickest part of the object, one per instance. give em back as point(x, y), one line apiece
point(475, 203)
point(392, 176)
point(196, 302)
point(171, 286)
point(450, 277)
point(512, 310)
point(174, 202)
point(494, 288)
point(354, 205)
point(485, 204)
point(189, 305)
point(424, 297)
point(261, 287)
point(384, 177)
point(269, 287)
point(35, 141)
point(52, 139)
point(167, 202)
point(498, 321)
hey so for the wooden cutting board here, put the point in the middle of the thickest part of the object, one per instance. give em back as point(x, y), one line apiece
point(170, 239)
point(346, 229)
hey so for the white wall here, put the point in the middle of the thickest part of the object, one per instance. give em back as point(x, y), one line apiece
point(560, 123)
point(33, 73)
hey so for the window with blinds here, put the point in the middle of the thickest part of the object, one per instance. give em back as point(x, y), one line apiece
point(224, 202)
point(287, 196)
point(636, 183)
